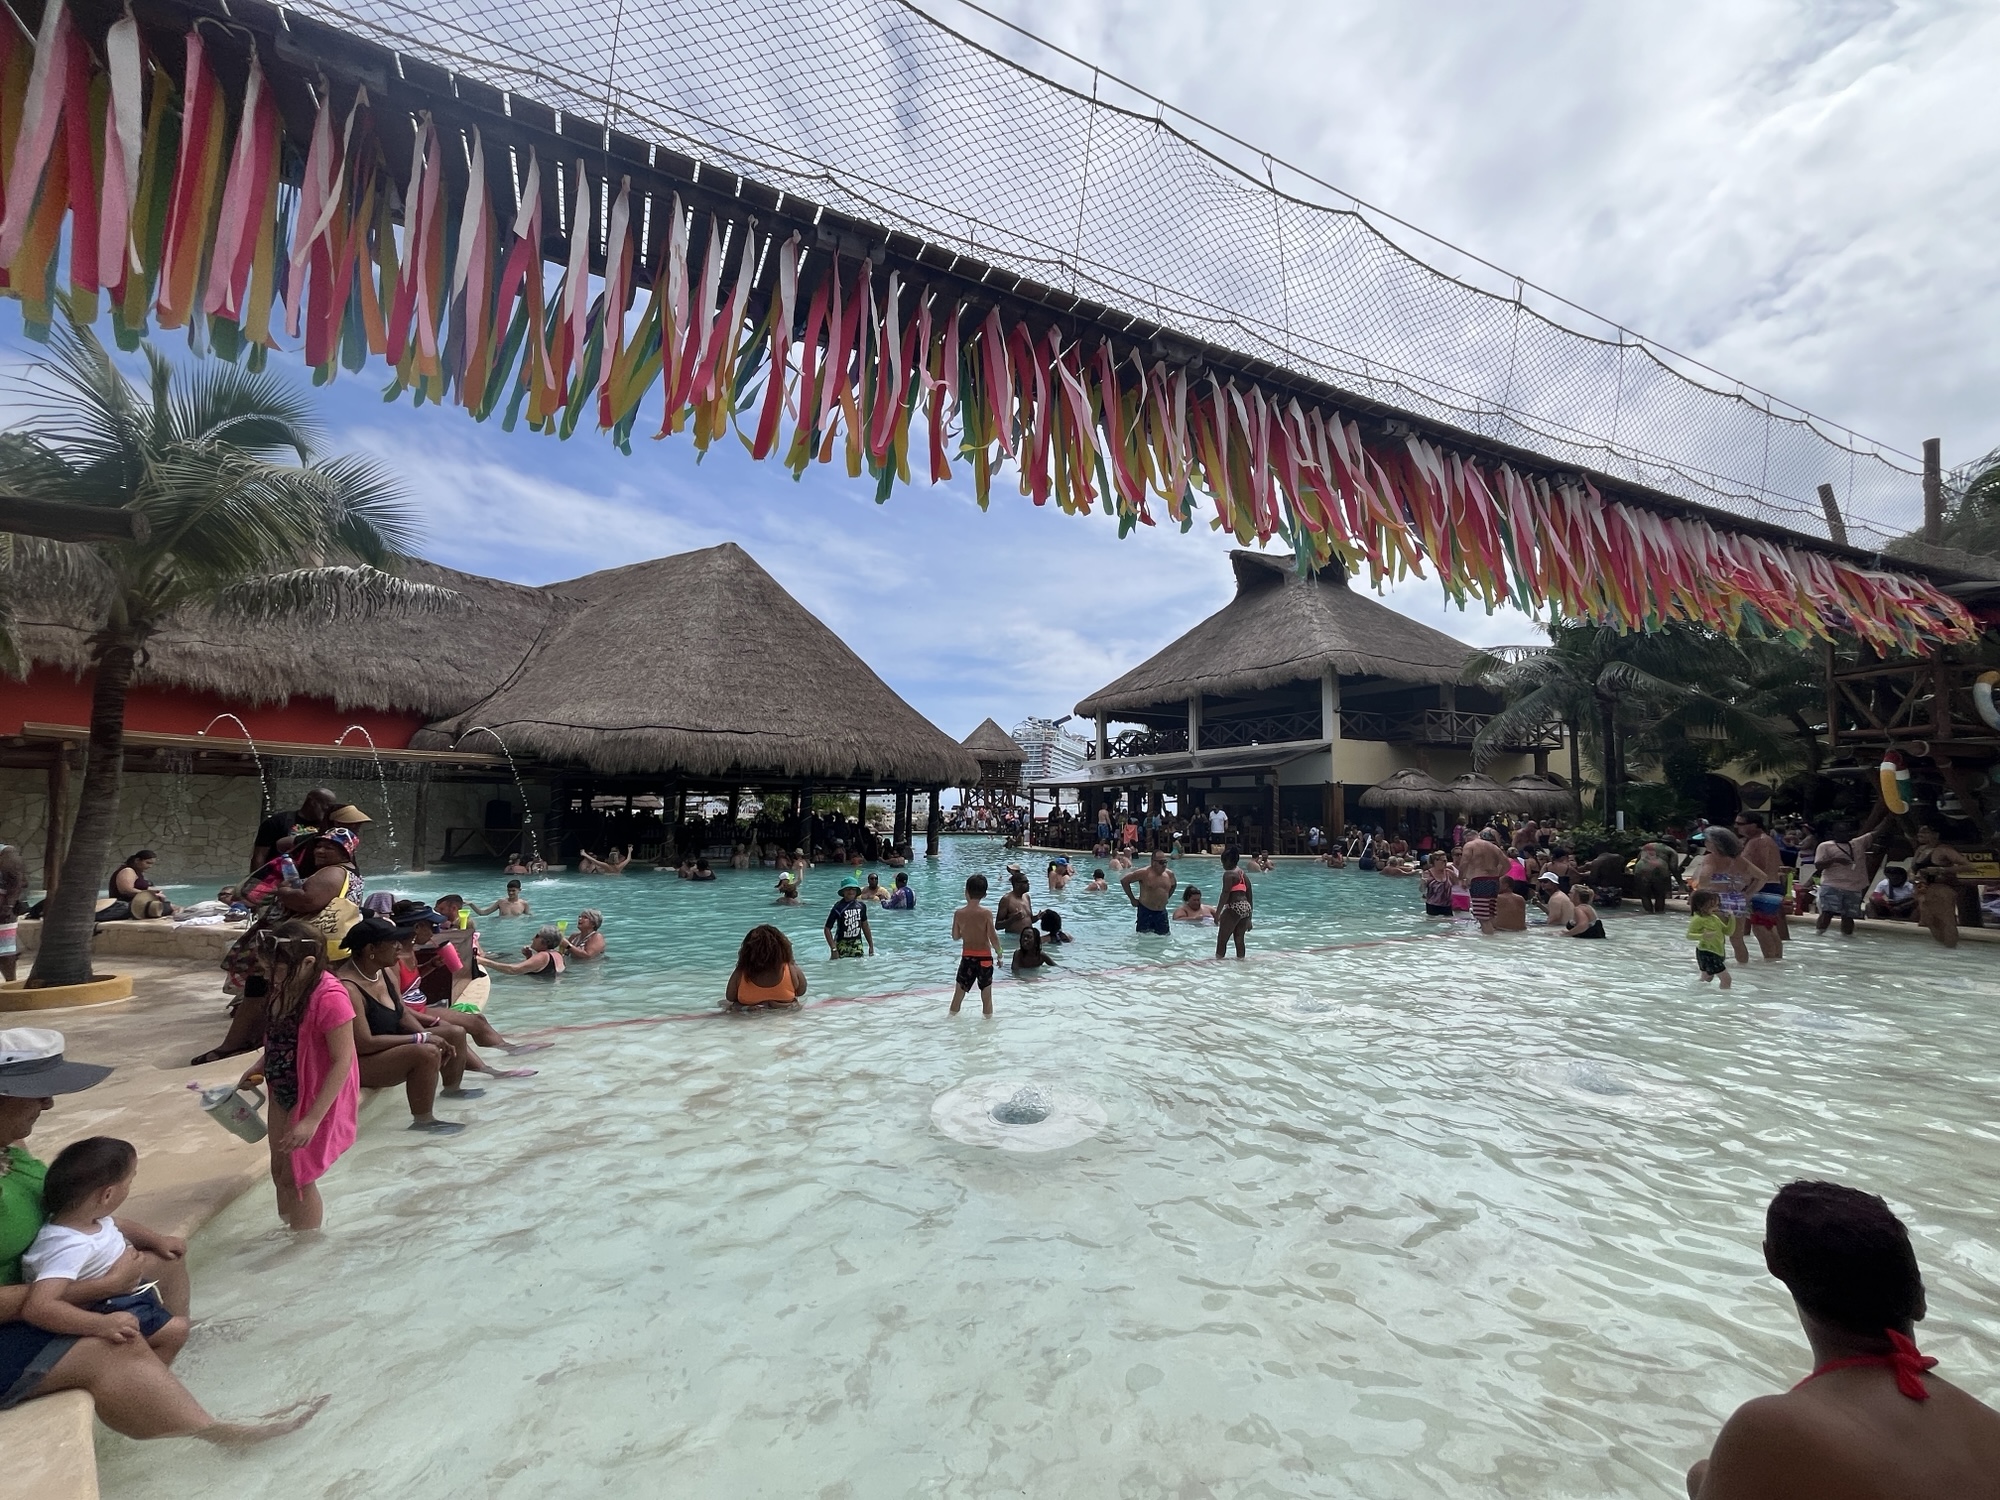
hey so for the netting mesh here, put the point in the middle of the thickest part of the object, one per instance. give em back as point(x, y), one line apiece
point(876, 110)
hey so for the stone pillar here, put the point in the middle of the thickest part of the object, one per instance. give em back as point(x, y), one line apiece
point(420, 824)
point(932, 825)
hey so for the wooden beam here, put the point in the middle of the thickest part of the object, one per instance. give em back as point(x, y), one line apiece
point(1933, 491)
point(1836, 525)
point(61, 522)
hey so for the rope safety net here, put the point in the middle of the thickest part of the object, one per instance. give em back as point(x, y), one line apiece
point(881, 111)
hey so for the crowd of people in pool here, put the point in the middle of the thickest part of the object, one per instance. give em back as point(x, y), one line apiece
point(336, 987)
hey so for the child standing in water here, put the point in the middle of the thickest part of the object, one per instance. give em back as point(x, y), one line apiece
point(847, 924)
point(978, 940)
point(1710, 930)
point(1232, 915)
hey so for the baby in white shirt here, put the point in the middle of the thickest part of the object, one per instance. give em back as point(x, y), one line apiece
point(85, 1185)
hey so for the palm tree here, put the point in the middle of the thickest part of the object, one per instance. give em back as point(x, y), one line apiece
point(1596, 680)
point(238, 519)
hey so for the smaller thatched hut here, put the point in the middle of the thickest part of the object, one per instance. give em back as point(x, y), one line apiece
point(999, 755)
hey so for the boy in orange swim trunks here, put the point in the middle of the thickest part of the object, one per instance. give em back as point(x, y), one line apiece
point(978, 940)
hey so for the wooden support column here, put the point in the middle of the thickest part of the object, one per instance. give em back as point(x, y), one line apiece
point(933, 825)
point(1103, 737)
point(57, 843)
point(1277, 803)
point(1836, 525)
point(735, 810)
point(1194, 724)
point(420, 829)
point(1933, 491)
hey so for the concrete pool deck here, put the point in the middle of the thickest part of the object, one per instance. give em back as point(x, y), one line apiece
point(190, 1169)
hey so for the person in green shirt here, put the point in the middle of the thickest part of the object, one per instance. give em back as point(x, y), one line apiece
point(128, 1380)
point(1710, 930)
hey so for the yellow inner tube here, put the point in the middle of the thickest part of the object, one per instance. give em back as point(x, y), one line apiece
point(1892, 792)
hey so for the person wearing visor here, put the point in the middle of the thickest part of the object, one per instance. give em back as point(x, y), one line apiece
point(127, 1379)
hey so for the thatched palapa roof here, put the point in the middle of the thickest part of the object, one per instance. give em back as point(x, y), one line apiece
point(429, 664)
point(989, 742)
point(1476, 792)
point(704, 663)
point(1280, 628)
point(699, 662)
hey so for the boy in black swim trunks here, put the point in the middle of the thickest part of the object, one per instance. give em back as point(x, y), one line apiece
point(978, 940)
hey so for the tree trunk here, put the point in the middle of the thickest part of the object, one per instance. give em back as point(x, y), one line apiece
point(1576, 767)
point(1607, 720)
point(71, 916)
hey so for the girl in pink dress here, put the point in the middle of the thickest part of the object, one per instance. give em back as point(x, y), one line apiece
point(309, 1068)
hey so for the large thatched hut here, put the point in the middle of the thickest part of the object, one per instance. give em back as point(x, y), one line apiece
point(1284, 705)
point(560, 717)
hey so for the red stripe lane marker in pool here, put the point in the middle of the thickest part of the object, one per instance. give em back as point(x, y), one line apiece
point(933, 990)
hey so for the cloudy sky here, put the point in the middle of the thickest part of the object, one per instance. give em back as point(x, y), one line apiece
point(1799, 194)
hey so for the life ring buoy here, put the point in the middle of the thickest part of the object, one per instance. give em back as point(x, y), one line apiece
point(1895, 787)
point(1982, 699)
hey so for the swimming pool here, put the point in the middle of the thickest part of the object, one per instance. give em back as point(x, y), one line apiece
point(1381, 1212)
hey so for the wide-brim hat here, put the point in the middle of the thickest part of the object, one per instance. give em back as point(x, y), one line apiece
point(850, 885)
point(32, 1065)
point(348, 816)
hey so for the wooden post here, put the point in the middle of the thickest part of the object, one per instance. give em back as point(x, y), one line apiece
point(1103, 737)
point(1836, 527)
point(1933, 491)
point(57, 843)
point(420, 829)
point(735, 810)
point(1336, 809)
point(1194, 724)
point(1028, 833)
point(1832, 699)
point(932, 825)
point(1277, 806)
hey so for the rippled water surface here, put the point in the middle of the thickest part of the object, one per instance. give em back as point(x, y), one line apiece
point(1388, 1210)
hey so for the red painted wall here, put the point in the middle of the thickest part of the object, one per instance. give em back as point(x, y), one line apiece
point(53, 697)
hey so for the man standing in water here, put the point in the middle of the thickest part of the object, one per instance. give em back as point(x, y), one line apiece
point(1767, 904)
point(1156, 888)
point(1482, 864)
point(1869, 1422)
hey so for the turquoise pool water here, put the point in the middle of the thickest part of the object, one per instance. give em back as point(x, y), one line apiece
point(1388, 1210)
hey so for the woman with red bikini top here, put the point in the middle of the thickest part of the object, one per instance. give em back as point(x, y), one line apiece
point(1872, 1421)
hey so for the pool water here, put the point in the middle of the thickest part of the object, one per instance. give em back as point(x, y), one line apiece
point(1388, 1210)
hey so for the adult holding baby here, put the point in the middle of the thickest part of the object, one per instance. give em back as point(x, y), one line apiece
point(128, 1380)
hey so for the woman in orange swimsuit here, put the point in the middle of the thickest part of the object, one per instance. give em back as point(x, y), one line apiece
point(766, 973)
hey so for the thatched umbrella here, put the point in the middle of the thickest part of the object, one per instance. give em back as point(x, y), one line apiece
point(1410, 788)
point(1476, 792)
point(1539, 796)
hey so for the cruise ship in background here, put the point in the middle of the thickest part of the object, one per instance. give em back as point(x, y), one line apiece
point(1051, 749)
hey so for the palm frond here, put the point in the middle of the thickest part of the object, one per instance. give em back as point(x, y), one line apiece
point(258, 414)
point(330, 594)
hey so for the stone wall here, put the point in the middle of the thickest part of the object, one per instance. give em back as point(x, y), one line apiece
point(202, 826)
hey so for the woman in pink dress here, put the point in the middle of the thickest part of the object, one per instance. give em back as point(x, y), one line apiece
point(309, 1068)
